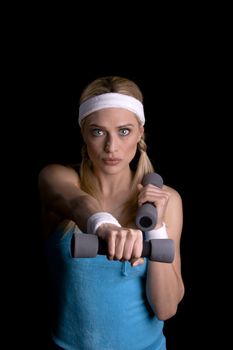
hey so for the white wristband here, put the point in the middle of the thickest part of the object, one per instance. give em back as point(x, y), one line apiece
point(98, 219)
point(156, 233)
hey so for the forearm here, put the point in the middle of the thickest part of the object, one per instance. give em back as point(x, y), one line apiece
point(164, 289)
point(61, 194)
point(76, 206)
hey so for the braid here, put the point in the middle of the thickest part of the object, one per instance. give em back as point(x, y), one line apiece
point(142, 147)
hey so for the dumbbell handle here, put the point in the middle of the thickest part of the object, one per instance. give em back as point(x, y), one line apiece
point(146, 216)
point(88, 246)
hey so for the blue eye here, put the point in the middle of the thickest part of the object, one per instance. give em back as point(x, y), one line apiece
point(97, 132)
point(124, 132)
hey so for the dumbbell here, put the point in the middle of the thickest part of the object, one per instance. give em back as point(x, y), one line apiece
point(88, 246)
point(146, 216)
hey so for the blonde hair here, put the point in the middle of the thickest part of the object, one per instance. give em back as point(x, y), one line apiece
point(144, 166)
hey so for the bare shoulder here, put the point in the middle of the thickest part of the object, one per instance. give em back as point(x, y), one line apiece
point(173, 194)
point(174, 213)
point(174, 206)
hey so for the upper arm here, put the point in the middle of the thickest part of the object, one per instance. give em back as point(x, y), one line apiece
point(174, 222)
point(174, 214)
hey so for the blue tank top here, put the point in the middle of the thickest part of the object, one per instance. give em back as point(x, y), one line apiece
point(99, 304)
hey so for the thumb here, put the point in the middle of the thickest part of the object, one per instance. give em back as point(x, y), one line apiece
point(136, 262)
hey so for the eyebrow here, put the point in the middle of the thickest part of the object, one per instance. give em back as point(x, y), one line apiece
point(118, 127)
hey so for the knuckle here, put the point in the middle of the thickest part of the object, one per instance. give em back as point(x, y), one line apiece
point(123, 232)
point(130, 233)
point(113, 234)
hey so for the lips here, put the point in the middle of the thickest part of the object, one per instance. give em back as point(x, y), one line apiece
point(111, 161)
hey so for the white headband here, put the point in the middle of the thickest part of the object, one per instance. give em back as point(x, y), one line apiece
point(111, 100)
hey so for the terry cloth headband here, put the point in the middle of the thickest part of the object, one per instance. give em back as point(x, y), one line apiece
point(111, 100)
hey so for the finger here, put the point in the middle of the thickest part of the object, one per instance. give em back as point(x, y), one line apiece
point(129, 244)
point(119, 246)
point(111, 247)
point(138, 245)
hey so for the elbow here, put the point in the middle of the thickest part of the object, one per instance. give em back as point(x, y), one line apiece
point(162, 312)
point(165, 314)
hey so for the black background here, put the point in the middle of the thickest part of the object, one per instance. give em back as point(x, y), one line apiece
point(47, 68)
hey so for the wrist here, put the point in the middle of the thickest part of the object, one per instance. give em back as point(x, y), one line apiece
point(157, 233)
point(98, 219)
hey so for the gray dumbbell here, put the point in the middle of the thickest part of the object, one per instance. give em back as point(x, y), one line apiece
point(88, 246)
point(146, 216)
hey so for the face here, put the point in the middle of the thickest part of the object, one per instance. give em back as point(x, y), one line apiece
point(111, 136)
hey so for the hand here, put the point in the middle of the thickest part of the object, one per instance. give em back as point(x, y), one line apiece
point(157, 196)
point(124, 244)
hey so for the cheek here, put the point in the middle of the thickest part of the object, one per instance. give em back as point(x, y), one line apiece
point(95, 150)
point(131, 148)
point(92, 149)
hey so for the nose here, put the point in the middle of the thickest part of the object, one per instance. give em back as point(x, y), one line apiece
point(111, 144)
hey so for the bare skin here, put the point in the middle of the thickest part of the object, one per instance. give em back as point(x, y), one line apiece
point(111, 136)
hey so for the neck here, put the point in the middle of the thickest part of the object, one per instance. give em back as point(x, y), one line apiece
point(112, 184)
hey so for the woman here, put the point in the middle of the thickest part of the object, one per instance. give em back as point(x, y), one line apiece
point(119, 302)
